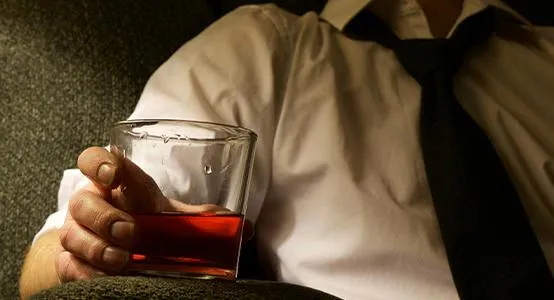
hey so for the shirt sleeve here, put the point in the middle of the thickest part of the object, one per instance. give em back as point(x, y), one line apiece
point(234, 72)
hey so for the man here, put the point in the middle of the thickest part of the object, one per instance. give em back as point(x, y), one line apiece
point(340, 196)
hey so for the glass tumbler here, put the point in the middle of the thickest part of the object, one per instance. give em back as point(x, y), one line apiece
point(204, 170)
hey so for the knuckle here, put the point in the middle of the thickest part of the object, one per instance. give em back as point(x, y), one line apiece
point(65, 233)
point(93, 252)
point(81, 242)
point(78, 201)
point(102, 220)
point(87, 210)
point(63, 263)
point(70, 268)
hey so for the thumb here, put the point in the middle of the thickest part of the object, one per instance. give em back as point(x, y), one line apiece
point(131, 188)
point(137, 191)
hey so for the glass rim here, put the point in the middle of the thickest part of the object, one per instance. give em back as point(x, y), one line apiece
point(239, 132)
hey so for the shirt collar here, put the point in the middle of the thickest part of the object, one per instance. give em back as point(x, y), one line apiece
point(339, 12)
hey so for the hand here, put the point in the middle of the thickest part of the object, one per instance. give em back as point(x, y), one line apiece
point(98, 231)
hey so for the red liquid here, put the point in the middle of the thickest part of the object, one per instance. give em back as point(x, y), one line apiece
point(188, 244)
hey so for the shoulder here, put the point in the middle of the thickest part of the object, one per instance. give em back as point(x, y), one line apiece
point(243, 59)
point(249, 23)
point(265, 23)
point(265, 14)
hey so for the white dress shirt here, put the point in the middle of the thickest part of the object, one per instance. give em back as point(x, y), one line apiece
point(339, 190)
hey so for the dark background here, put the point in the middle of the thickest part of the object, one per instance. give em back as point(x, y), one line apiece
point(68, 69)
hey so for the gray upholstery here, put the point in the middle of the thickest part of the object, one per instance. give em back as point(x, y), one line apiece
point(165, 288)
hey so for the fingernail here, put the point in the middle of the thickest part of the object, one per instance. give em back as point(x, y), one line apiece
point(122, 231)
point(115, 256)
point(105, 173)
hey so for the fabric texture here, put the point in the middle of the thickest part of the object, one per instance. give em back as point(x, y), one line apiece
point(152, 288)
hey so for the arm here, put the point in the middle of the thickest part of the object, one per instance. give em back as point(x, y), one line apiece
point(231, 73)
point(38, 270)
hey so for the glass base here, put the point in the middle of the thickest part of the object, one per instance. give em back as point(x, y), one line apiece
point(192, 272)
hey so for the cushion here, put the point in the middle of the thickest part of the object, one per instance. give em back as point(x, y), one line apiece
point(169, 288)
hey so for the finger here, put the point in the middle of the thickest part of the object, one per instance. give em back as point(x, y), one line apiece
point(70, 268)
point(100, 166)
point(85, 245)
point(138, 192)
point(90, 210)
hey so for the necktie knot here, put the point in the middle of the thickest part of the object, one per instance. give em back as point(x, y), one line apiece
point(423, 58)
point(426, 58)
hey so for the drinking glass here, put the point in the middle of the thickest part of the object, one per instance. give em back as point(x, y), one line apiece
point(205, 167)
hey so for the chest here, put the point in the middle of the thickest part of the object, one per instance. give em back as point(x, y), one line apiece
point(354, 111)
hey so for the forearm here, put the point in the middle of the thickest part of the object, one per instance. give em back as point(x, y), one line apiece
point(39, 272)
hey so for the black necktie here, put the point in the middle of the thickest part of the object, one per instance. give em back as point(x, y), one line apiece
point(491, 248)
